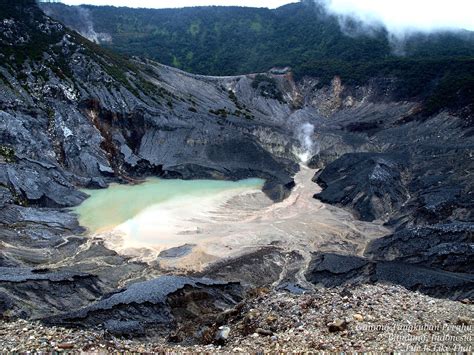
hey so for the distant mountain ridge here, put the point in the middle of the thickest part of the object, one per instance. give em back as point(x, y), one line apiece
point(238, 40)
point(435, 68)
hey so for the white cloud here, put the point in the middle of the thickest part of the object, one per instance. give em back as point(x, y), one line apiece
point(400, 16)
point(181, 3)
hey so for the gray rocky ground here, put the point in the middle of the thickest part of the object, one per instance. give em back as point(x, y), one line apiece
point(379, 318)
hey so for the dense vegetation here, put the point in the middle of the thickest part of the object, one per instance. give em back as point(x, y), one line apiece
point(237, 40)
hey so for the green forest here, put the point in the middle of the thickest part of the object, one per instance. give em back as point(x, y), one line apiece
point(237, 40)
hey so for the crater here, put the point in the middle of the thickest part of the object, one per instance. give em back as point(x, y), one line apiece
point(189, 225)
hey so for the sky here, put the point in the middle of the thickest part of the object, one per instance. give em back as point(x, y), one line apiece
point(397, 15)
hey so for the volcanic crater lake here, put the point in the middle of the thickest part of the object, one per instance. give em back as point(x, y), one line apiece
point(150, 209)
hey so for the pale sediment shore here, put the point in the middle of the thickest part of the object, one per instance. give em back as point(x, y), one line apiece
point(238, 221)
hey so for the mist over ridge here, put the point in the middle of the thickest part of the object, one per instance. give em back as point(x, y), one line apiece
point(407, 16)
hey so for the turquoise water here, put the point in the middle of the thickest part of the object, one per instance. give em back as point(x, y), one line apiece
point(110, 207)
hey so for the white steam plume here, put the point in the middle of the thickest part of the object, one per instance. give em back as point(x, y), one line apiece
point(87, 28)
point(308, 147)
point(407, 16)
point(81, 22)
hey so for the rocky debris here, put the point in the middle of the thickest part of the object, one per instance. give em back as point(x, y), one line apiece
point(177, 252)
point(269, 265)
point(368, 183)
point(447, 246)
point(157, 306)
point(425, 181)
point(277, 191)
point(34, 292)
point(395, 319)
point(17, 275)
point(38, 184)
point(53, 221)
point(106, 170)
point(331, 270)
point(337, 326)
point(65, 346)
point(34, 237)
point(263, 332)
point(222, 335)
point(437, 196)
point(464, 321)
point(258, 269)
